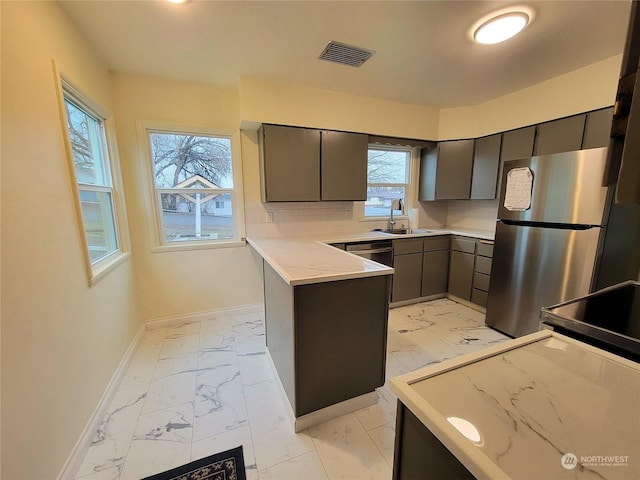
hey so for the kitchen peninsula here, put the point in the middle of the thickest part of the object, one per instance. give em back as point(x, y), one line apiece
point(326, 315)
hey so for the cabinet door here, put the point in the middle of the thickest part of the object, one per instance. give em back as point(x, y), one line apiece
point(428, 163)
point(461, 274)
point(407, 276)
point(564, 135)
point(486, 164)
point(344, 166)
point(598, 128)
point(435, 272)
point(290, 164)
point(453, 171)
point(517, 143)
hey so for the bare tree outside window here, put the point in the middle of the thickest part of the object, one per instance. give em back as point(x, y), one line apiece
point(194, 180)
point(387, 178)
point(91, 162)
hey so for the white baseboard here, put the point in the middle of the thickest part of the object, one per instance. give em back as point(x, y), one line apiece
point(79, 452)
point(467, 303)
point(208, 315)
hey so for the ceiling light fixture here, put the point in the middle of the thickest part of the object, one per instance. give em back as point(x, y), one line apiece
point(177, 1)
point(501, 25)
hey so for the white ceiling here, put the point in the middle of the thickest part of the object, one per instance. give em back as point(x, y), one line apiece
point(423, 53)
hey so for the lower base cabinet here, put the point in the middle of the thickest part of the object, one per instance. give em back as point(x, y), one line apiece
point(419, 455)
point(407, 277)
point(435, 272)
point(327, 340)
point(461, 274)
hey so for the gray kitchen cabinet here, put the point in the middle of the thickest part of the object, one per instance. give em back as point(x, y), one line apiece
point(445, 171)
point(518, 143)
point(461, 264)
point(327, 340)
point(418, 454)
point(289, 163)
point(598, 128)
point(407, 263)
point(563, 135)
point(305, 165)
point(482, 272)
point(344, 166)
point(435, 266)
point(486, 166)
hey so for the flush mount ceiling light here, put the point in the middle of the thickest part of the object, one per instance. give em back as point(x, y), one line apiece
point(501, 25)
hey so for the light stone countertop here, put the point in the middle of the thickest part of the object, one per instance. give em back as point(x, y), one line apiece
point(532, 400)
point(304, 259)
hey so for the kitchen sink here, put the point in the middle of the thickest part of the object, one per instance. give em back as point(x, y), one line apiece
point(401, 231)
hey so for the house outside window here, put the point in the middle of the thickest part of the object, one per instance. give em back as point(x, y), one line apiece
point(193, 177)
point(388, 178)
point(90, 156)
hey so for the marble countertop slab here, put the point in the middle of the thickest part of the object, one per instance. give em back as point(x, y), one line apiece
point(302, 262)
point(303, 259)
point(525, 405)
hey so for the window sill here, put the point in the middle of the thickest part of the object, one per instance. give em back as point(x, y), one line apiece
point(181, 247)
point(104, 267)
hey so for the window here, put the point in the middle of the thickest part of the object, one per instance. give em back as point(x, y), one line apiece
point(93, 176)
point(194, 184)
point(387, 179)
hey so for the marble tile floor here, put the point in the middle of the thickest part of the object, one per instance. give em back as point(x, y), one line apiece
point(195, 389)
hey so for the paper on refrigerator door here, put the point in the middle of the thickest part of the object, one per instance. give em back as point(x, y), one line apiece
point(517, 195)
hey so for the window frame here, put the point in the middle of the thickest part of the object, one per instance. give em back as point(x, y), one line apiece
point(410, 186)
point(67, 89)
point(156, 227)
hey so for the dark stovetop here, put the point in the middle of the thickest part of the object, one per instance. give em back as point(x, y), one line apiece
point(609, 317)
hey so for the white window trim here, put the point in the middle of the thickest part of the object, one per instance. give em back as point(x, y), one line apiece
point(100, 269)
point(156, 233)
point(411, 196)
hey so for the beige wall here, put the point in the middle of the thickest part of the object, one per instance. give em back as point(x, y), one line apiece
point(178, 282)
point(585, 89)
point(61, 340)
point(265, 102)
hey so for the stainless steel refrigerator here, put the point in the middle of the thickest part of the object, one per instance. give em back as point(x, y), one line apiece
point(551, 222)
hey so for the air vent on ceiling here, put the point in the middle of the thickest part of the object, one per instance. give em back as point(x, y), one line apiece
point(345, 54)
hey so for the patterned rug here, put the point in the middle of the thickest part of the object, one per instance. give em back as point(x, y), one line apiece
point(227, 465)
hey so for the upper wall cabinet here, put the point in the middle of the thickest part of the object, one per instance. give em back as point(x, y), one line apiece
point(597, 128)
point(445, 171)
point(307, 165)
point(563, 135)
point(486, 166)
point(289, 163)
point(518, 143)
point(344, 165)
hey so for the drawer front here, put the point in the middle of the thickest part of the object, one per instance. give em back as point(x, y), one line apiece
point(463, 245)
point(485, 249)
point(483, 265)
point(481, 281)
point(479, 297)
point(412, 245)
point(436, 243)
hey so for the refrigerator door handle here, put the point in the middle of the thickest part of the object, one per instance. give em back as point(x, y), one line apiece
point(564, 226)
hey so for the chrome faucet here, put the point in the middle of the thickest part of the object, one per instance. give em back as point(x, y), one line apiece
point(396, 204)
